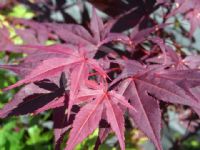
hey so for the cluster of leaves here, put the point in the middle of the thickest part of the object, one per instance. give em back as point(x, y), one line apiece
point(97, 76)
point(31, 136)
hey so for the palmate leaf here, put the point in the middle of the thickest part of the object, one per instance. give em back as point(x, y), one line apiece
point(32, 100)
point(82, 127)
point(168, 92)
point(102, 32)
point(145, 89)
point(39, 97)
point(89, 100)
point(188, 80)
point(116, 121)
point(52, 66)
point(190, 77)
point(18, 99)
point(103, 102)
point(37, 54)
point(78, 35)
point(148, 116)
point(149, 79)
point(47, 68)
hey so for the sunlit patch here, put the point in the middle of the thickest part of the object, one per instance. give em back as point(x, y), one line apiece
point(198, 15)
point(177, 5)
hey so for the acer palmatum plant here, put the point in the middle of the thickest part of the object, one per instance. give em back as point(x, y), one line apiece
point(91, 83)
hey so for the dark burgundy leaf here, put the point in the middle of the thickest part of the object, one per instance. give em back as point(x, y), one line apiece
point(147, 116)
point(19, 98)
point(47, 85)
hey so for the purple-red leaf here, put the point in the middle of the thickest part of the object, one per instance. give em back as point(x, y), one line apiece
point(82, 125)
point(147, 116)
point(46, 69)
point(116, 120)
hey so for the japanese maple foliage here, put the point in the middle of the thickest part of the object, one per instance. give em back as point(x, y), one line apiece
point(90, 83)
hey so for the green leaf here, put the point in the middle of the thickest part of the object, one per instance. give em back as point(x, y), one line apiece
point(21, 11)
